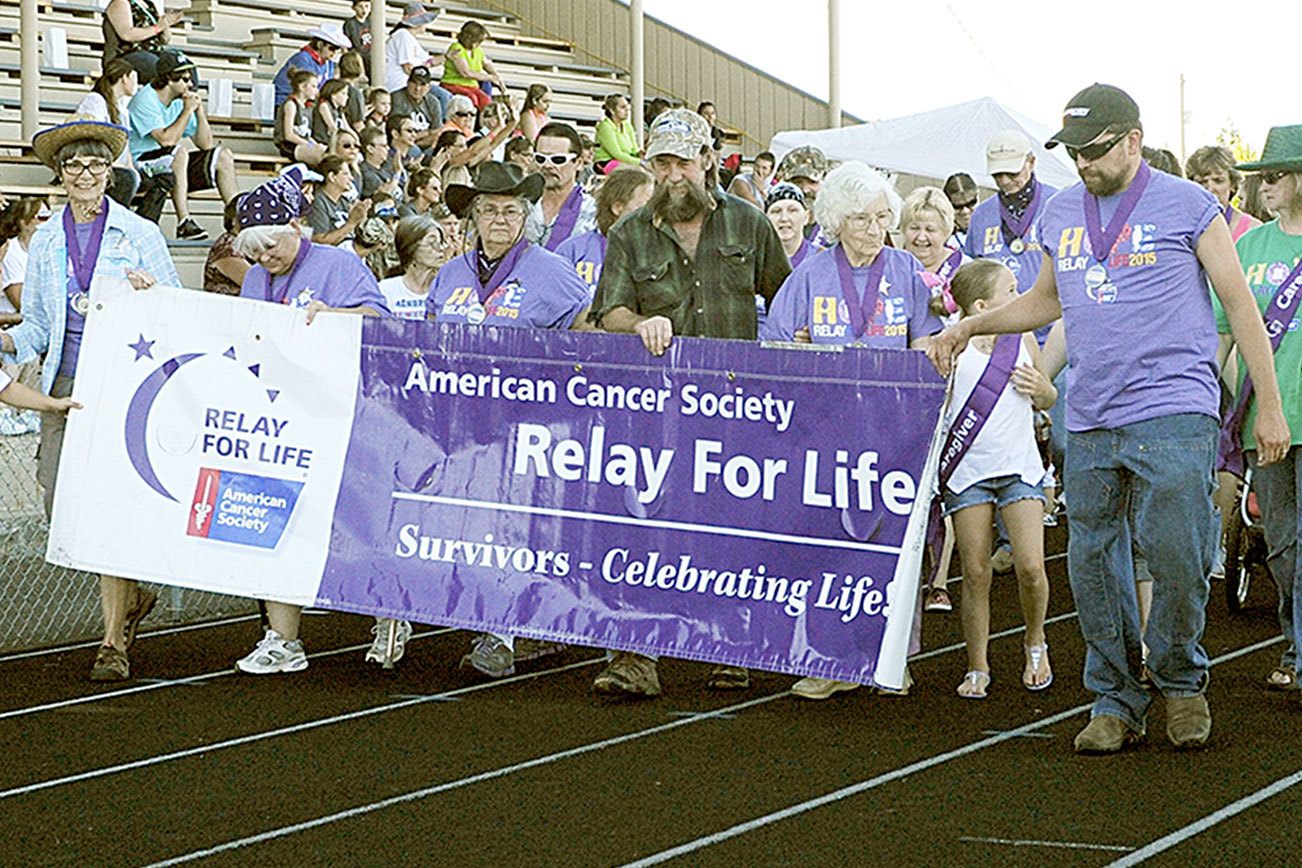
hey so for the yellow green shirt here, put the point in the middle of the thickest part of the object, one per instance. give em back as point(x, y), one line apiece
point(474, 60)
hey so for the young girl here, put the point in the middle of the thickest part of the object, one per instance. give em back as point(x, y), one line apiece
point(293, 135)
point(15, 394)
point(329, 117)
point(378, 104)
point(1001, 469)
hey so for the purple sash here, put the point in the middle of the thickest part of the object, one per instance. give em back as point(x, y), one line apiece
point(500, 274)
point(853, 300)
point(83, 262)
point(969, 421)
point(1279, 313)
point(1016, 228)
point(1102, 240)
point(304, 246)
point(950, 265)
point(801, 252)
point(566, 218)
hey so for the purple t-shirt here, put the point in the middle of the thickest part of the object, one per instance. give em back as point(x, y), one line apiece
point(587, 253)
point(985, 240)
point(76, 325)
point(1142, 344)
point(335, 277)
point(811, 297)
point(543, 291)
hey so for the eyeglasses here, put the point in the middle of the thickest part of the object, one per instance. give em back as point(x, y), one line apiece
point(1095, 151)
point(1272, 177)
point(491, 213)
point(861, 221)
point(75, 168)
point(964, 206)
point(463, 114)
point(554, 159)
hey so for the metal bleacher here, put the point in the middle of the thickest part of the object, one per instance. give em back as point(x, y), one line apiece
point(245, 42)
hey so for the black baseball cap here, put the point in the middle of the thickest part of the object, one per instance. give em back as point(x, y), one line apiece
point(170, 62)
point(420, 75)
point(1092, 111)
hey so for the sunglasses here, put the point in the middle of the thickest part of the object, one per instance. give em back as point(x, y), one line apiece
point(1272, 177)
point(554, 159)
point(463, 114)
point(964, 206)
point(1095, 151)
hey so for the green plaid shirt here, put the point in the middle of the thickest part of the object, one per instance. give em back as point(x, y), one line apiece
point(712, 296)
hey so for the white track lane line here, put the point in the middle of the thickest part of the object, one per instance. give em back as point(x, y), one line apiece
point(872, 783)
point(288, 730)
point(1064, 845)
point(417, 795)
point(1197, 827)
point(166, 631)
point(178, 682)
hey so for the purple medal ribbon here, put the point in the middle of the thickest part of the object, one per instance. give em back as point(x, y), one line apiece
point(304, 246)
point(1016, 228)
point(566, 218)
point(950, 265)
point(500, 274)
point(1102, 240)
point(967, 425)
point(853, 300)
point(83, 263)
point(1279, 313)
point(602, 241)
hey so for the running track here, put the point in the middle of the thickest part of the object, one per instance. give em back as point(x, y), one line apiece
point(347, 765)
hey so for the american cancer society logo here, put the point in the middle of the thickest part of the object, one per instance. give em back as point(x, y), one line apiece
point(230, 420)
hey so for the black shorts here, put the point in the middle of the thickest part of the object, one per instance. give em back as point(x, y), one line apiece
point(201, 170)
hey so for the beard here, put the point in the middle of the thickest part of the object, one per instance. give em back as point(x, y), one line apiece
point(681, 203)
point(1102, 184)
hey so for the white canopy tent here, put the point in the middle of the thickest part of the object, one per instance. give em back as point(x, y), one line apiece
point(934, 145)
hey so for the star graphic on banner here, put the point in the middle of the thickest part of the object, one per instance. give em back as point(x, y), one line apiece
point(143, 348)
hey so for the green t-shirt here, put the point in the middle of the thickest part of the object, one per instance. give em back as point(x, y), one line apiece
point(474, 61)
point(1268, 255)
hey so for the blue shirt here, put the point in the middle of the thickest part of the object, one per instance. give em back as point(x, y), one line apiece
point(302, 59)
point(148, 114)
point(985, 240)
point(586, 253)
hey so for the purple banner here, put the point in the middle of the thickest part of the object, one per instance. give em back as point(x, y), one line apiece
point(726, 502)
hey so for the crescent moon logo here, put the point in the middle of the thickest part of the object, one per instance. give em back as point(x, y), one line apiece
point(138, 417)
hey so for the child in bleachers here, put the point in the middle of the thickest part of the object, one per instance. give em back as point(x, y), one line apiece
point(293, 133)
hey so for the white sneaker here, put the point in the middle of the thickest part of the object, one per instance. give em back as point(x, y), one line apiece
point(380, 646)
point(272, 655)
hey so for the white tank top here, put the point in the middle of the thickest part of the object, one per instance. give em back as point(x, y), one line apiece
point(1005, 445)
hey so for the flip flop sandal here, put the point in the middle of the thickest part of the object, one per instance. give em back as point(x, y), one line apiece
point(1281, 678)
point(1035, 655)
point(977, 683)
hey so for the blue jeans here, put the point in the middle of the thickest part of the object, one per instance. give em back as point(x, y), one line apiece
point(1279, 491)
point(1155, 477)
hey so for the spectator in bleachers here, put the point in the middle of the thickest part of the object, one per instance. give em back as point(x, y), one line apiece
point(587, 173)
point(492, 118)
point(424, 191)
point(519, 152)
point(421, 250)
point(533, 114)
point(18, 223)
point(224, 269)
point(565, 209)
point(461, 115)
point(373, 244)
point(654, 109)
point(617, 143)
point(378, 106)
point(350, 73)
point(109, 100)
point(293, 129)
point(91, 236)
point(170, 136)
point(708, 111)
point(136, 32)
point(324, 46)
point(349, 146)
point(405, 152)
point(451, 148)
point(417, 101)
point(330, 114)
point(332, 218)
point(466, 70)
point(451, 226)
point(358, 31)
point(624, 191)
point(961, 191)
point(378, 172)
point(753, 186)
point(403, 51)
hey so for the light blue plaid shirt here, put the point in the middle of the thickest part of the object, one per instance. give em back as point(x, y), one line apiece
point(130, 243)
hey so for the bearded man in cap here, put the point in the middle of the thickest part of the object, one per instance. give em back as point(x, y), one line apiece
point(1128, 254)
point(688, 263)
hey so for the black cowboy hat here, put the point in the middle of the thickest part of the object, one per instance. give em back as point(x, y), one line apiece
point(501, 179)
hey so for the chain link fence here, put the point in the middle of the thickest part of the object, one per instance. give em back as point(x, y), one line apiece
point(47, 605)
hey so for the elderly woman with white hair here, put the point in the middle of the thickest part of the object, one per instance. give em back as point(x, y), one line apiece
point(860, 292)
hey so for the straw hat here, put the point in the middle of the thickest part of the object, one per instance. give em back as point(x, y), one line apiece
point(47, 143)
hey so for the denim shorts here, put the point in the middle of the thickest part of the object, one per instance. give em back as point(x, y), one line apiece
point(1000, 491)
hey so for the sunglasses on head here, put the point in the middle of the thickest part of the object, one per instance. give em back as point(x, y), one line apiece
point(1272, 177)
point(554, 159)
point(1097, 150)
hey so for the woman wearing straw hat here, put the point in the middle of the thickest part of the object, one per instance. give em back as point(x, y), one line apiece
point(1271, 255)
point(325, 45)
point(403, 51)
point(92, 236)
